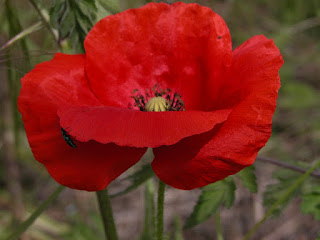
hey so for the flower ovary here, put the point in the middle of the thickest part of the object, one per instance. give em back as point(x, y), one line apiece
point(156, 104)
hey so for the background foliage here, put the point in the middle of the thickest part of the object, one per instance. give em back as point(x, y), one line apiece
point(37, 29)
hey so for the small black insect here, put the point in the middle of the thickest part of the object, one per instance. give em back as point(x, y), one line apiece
point(67, 138)
point(219, 37)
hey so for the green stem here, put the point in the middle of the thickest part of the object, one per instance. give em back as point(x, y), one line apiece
point(106, 214)
point(26, 224)
point(282, 199)
point(148, 231)
point(287, 165)
point(160, 206)
point(218, 226)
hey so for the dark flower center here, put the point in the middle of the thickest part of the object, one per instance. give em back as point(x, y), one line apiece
point(157, 100)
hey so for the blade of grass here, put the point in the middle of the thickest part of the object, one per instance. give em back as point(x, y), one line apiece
point(33, 28)
point(13, 78)
point(45, 22)
point(27, 223)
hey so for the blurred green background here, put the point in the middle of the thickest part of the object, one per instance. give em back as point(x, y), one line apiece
point(24, 183)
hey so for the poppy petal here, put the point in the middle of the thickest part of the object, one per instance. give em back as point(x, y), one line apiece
point(199, 160)
point(127, 127)
point(90, 166)
point(184, 47)
point(57, 82)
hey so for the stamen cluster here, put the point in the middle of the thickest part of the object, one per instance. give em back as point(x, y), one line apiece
point(174, 101)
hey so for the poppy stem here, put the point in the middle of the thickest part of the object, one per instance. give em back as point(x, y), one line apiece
point(107, 215)
point(282, 199)
point(218, 225)
point(160, 207)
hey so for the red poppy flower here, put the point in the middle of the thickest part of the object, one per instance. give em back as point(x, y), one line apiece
point(82, 113)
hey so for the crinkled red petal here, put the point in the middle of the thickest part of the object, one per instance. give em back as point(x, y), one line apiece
point(62, 81)
point(184, 47)
point(199, 160)
point(127, 127)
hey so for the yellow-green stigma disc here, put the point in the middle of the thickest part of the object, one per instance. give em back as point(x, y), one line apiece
point(156, 104)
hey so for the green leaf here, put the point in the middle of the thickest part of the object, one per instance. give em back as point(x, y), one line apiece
point(73, 19)
point(212, 197)
point(87, 9)
point(83, 21)
point(68, 25)
point(311, 204)
point(89, 4)
point(56, 13)
point(249, 179)
point(287, 195)
point(285, 179)
point(207, 204)
point(111, 6)
point(229, 196)
point(136, 179)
